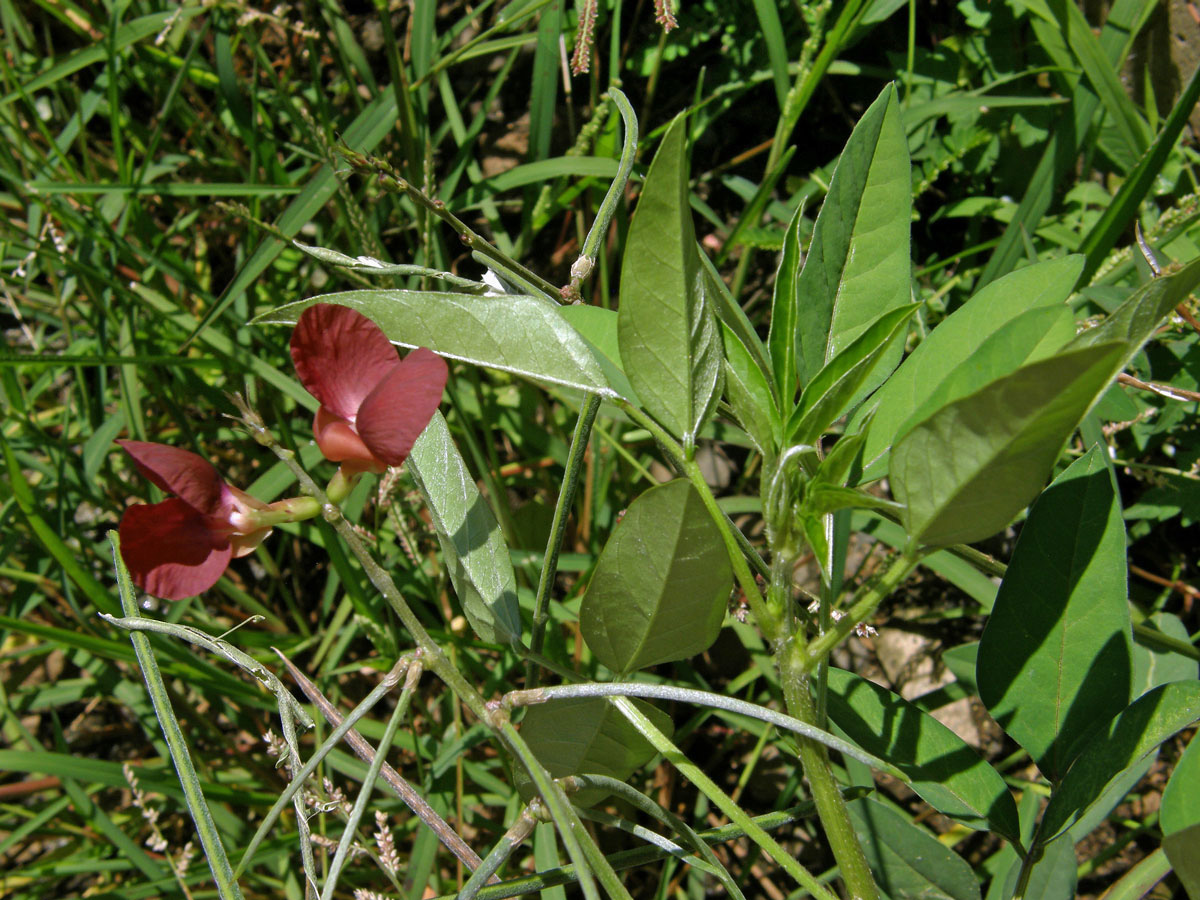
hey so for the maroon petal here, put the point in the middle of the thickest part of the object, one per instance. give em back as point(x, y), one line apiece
point(171, 550)
point(393, 415)
point(339, 442)
point(190, 477)
point(340, 355)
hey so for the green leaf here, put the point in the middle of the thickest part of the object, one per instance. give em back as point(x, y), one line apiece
point(1054, 659)
point(749, 395)
point(661, 585)
point(587, 736)
point(843, 378)
point(475, 553)
point(1183, 852)
point(908, 861)
point(1181, 799)
point(945, 771)
point(968, 469)
point(1137, 319)
point(669, 340)
point(1136, 732)
point(785, 310)
point(955, 342)
point(858, 264)
point(513, 333)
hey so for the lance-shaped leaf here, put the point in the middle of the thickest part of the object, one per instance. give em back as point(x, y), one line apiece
point(1131, 736)
point(474, 551)
point(1054, 661)
point(907, 859)
point(661, 585)
point(858, 264)
point(587, 736)
point(966, 471)
point(513, 333)
point(1041, 289)
point(785, 311)
point(749, 395)
point(669, 340)
point(949, 775)
point(835, 387)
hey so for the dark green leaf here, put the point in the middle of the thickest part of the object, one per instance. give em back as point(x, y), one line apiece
point(906, 860)
point(1181, 800)
point(587, 736)
point(945, 771)
point(475, 553)
point(661, 585)
point(513, 333)
point(968, 469)
point(1136, 732)
point(955, 341)
point(669, 340)
point(858, 265)
point(1183, 852)
point(1054, 659)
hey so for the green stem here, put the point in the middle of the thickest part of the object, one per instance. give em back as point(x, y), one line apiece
point(723, 801)
point(210, 839)
point(831, 806)
point(558, 528)
point(364, 795)
point(868, 598)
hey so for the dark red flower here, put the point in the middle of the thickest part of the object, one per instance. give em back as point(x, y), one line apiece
point(374, 405)
point(178, 548)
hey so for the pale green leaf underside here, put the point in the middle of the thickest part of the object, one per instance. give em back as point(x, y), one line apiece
point(513, 333)
point(476, 555)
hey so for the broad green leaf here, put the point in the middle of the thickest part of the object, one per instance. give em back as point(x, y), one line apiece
point(843, 378)
point(1054, 659)
point(669, 339)
point(945, 771)
point(587, 736)
point(661, 585)
point(474, 551)
point(1135, 733)
point(858, 264)
point(785, 310)
point(749, 395)
point(967, 470)
point(908, 861)
point(513, 333)
point(955, 341)
point(1181, 800)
